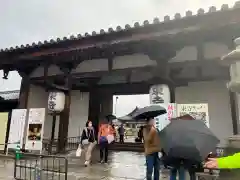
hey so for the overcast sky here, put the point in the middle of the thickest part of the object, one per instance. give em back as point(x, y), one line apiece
point(27, 21)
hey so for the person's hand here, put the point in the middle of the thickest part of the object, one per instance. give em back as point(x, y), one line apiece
point(211, 163)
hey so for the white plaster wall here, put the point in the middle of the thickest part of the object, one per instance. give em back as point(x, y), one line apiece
point(92, 65)
point(217, 97)
point(212, 50)
point(38, 98)
point(78, 112)
point(215, 50)
point(188, 53)
point(130, 61)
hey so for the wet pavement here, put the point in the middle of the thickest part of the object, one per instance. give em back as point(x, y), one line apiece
point(6, 169)
point(121, 166)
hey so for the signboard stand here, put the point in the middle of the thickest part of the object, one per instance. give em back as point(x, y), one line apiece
point(17, 129)
point(34, 135)
point(35, 128)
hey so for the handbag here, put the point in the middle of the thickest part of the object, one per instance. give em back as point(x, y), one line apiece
point(110, 138)
point(86, 141)
point(79, 151)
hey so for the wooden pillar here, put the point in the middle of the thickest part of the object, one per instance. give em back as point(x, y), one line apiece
point(172, 89)
point(234, 112)
point(24, 93)
point(94, 108)
point(63, 123)
point(106, 103)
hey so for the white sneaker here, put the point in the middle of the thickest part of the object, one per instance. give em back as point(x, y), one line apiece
point(86, 163)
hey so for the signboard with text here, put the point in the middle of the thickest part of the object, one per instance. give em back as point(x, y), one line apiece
point(35, 129)
point(197, 111)
point(17, 128)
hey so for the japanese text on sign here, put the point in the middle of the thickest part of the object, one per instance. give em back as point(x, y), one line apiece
point(171, 111)
point(52, 101)
point(157, 93)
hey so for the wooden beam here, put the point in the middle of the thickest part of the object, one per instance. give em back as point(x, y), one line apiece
point(94, 107)
point(172, 67)
point(63, 123)
point(100, 73)
point(24, 93)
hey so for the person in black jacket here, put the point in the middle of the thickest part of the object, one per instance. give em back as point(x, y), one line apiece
point(88, 141)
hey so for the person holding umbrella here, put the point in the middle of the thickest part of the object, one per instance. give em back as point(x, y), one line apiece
point(187, 142)
point(152, 148)
point(179, 164)
point(151, 138)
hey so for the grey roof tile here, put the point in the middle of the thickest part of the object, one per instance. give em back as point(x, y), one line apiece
point(10, 95)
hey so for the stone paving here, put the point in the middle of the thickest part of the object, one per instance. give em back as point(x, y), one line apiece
point(122, 165)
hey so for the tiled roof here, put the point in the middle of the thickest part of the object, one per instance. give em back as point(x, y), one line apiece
point(127, 27)
point(10, 95)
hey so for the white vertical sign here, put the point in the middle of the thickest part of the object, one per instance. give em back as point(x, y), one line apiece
point(16, 133)
point(159, 94)
point(197, 111)
point(35, 129)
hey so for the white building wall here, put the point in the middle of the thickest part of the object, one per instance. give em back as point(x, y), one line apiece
point(215, 93)
point(78, 112)
point(38, 98)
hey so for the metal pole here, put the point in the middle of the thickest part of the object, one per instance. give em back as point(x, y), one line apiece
point(53, 131)
point(116, 106)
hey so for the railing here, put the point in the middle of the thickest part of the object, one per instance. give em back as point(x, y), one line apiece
point(51, 147)
point(41, 167)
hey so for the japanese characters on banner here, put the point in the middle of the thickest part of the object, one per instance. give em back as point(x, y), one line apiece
point(197, 111)
point(159, 94)
point(171, 111)
point(3, 129)
point(56, 101)
point(17, 127)
point(35, 129)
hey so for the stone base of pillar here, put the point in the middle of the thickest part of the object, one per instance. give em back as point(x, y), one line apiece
point(234, 141)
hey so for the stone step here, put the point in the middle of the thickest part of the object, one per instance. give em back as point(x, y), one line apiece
point(135, 147)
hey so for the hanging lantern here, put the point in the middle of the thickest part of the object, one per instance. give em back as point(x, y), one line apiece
point(159, 94)
point(56, 101)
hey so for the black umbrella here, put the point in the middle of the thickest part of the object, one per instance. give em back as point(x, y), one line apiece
point(110, 117)
point(149, 111)
point(188, 139)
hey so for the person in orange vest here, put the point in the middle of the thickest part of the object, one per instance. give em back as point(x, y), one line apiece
point(105, 137)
